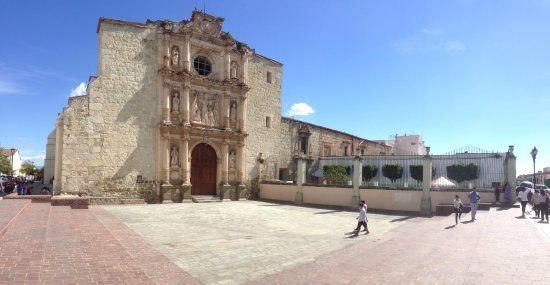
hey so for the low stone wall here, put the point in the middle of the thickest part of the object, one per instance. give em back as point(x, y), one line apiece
point(75, 202)
point(392, 200)
point(33, 198)
point(401, 200)
point(278, 192)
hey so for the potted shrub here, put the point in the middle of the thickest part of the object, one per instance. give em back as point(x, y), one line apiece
point(369, 172)
point(335, 174)
point(463, 172)
point(392, 171)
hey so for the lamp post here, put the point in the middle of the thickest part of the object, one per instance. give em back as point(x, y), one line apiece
point(534, 152)
point(12, 150)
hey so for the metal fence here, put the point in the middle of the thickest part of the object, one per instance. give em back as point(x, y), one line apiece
point(491, 167)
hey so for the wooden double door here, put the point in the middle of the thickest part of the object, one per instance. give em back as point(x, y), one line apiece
point(203, 170)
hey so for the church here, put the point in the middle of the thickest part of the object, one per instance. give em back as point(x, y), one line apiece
point(179, 110)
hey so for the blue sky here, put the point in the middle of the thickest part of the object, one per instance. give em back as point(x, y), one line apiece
point(462, 72)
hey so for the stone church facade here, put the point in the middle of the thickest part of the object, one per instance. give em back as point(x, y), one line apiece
point(180, 109)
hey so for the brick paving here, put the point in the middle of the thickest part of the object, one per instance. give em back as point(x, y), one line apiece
point(497, 248)
point(264, 243)
point(58, 245)
point(9, 212)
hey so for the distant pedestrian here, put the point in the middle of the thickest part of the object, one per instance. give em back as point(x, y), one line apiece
point(497, 193)
point(28, 188)
point(474, 199)
point(536, 199)
point(361, 220)
point(20, 188)
point(523, 199)
point(366, 220)
point(508, 193)
point(458, 207)
point(46, 191)
point(545, 202)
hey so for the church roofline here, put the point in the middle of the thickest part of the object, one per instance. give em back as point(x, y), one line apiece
point(331, 130)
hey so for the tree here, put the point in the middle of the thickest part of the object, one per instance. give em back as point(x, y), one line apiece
point(335, 174)
point(417, 172)
point(369, 172)
point(5, 164)
point(463, 172)
point(392, 171)
point(28, 168)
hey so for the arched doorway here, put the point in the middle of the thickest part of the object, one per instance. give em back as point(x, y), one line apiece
point(203, 170)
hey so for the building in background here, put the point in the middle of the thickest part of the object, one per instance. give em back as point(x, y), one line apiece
point(14, 159)
point(49, 161)
point(406, 145)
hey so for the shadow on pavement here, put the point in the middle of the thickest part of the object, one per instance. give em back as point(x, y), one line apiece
point(328, 212)
point(450, 227)
point(467, 222)
point(401, 219)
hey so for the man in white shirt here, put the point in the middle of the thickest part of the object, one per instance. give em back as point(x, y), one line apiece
point(361, 219)
point(524, 198)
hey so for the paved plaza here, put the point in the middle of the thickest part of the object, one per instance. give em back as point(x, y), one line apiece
point(263, 243)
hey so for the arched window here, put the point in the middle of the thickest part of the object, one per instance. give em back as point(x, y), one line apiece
point(202, 65)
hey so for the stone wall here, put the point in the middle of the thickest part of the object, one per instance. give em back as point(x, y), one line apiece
point(264, 99)
point(110, 134)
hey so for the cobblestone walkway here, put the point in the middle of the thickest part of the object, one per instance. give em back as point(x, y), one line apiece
point(238, 242)
point(497, 248)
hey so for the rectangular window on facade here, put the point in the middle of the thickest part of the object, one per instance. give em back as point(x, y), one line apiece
point(303, 145)
point(268, 121)
point(362, 151)
point(326, 151)
point(345, 151)
point(268, 77)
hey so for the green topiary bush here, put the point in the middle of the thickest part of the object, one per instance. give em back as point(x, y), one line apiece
point(335, 174)
point(463, 172)
point(369, 172)
point(392, 171)
point(417, 172)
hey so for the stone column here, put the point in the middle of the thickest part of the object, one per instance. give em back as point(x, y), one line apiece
point(240, 163)
point(426, 203)
point(510, 169)
point(187, 54)
point(242, 114)
point(226, 108)
point(166, 104)
point(357, 179)
point(185, 97)
point(300, 179)
point(57, 184)
point(245, 69)
point(225, 187)
point(227, 65)
point(186, 186)
point(166, 159)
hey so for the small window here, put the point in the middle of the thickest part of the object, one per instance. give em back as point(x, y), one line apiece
point(303, 145)
point(326, 150)
point(268, 77)
point(413, 143)
point(345, 151)
point(202, 65)
point(268, 121)
point(362, 151)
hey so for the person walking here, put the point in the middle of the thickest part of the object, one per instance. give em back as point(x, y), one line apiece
point(458, 206)
point(523, 198)
point(366, 229)
point(508, 193)
point(544, 202)
point(535, 200)
point(474, 199)
point(497, 193)
point(361, 220)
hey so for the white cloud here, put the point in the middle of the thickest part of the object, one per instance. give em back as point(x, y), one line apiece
point(7, 87)
point(79, 90)
point(38, 160)
point(429, 31)
point(300, 109)
point(454, 47)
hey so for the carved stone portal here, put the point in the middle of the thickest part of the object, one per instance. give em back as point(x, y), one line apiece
point(205, 109)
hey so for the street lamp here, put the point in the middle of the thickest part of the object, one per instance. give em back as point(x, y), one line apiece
point(534, 152)
point(12, 153)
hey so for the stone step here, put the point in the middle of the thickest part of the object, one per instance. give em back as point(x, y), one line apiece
point(205, 199)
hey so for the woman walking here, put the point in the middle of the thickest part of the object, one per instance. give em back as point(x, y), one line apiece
point(522, 197)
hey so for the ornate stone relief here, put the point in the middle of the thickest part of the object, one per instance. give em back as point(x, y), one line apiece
point(205, 109)
point(175, 103)
point(174, 157)
point(233, 114)
point(175, 56)
point(232, 165)
point(234, 70)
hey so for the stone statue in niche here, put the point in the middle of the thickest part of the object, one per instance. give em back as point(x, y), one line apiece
point(174, 157)
point(175, 56)
point(212, 111)
point(233, 110)
point(232, 165)
point(175, 102)
point(234, 69)
point(197, 107)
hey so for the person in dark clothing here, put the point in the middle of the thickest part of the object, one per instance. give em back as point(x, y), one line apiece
point(497, 193)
